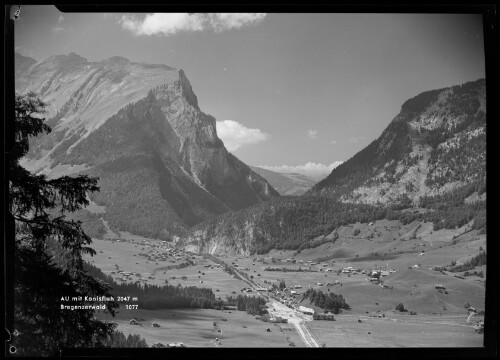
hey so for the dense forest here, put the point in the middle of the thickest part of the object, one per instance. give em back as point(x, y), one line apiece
point(303, 222)
point(329, 302)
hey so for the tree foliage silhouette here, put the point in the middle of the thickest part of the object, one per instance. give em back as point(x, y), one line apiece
point(39, 206)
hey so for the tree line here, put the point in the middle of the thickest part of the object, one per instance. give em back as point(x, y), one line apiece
point(251, 304)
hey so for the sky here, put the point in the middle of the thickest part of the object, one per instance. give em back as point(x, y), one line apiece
point(291, 92)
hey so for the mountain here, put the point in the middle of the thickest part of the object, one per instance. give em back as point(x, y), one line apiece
point(22, 64)
point(428, 165)
point(286, 183)
point(436, 143)
point(138, 127)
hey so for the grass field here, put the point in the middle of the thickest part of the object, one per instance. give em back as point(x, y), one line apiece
point(397, 331)
point(378, 246)
point(195, 328)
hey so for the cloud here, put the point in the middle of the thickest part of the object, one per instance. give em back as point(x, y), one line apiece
point(163, 24)
point(61, 19)
point(313, 134)
point(227, 21)
point(309, 169)
point(235, 135)
point(170, 23)
point(355, 139)
point(333, 142)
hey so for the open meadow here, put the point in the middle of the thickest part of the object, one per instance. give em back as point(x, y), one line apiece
point(396, 331)
point(195, 328)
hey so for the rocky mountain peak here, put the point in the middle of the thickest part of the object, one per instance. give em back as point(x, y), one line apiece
point(187, 90)
point(138, 127)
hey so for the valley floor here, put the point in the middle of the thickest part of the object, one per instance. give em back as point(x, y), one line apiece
point(440, 318)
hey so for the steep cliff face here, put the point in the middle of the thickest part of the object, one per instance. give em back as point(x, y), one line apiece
point(437, 143)
point(139, 129)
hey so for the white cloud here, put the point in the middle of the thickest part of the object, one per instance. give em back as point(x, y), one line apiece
point(235, 135)
point(355, 139)
point(57, 29)
point(61, 19)
point(333, 142)
point(309, 169)
point(313, 134)
point(227, 21)
point(163, 24)
point(170, 23)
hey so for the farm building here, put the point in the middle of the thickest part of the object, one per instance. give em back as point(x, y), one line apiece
point(375, 273)
point(277, 319)
point(439, 287)
point(133, 322)
point(176, 345)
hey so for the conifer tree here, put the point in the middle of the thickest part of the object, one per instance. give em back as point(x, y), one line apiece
point(39, 206)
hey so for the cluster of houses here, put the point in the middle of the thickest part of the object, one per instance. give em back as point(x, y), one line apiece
point(164, 254)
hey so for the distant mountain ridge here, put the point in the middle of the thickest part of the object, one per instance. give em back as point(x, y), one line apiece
point(286, 183)
point(138, 127)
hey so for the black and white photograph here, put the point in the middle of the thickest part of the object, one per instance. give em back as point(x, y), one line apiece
point(283, 179)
